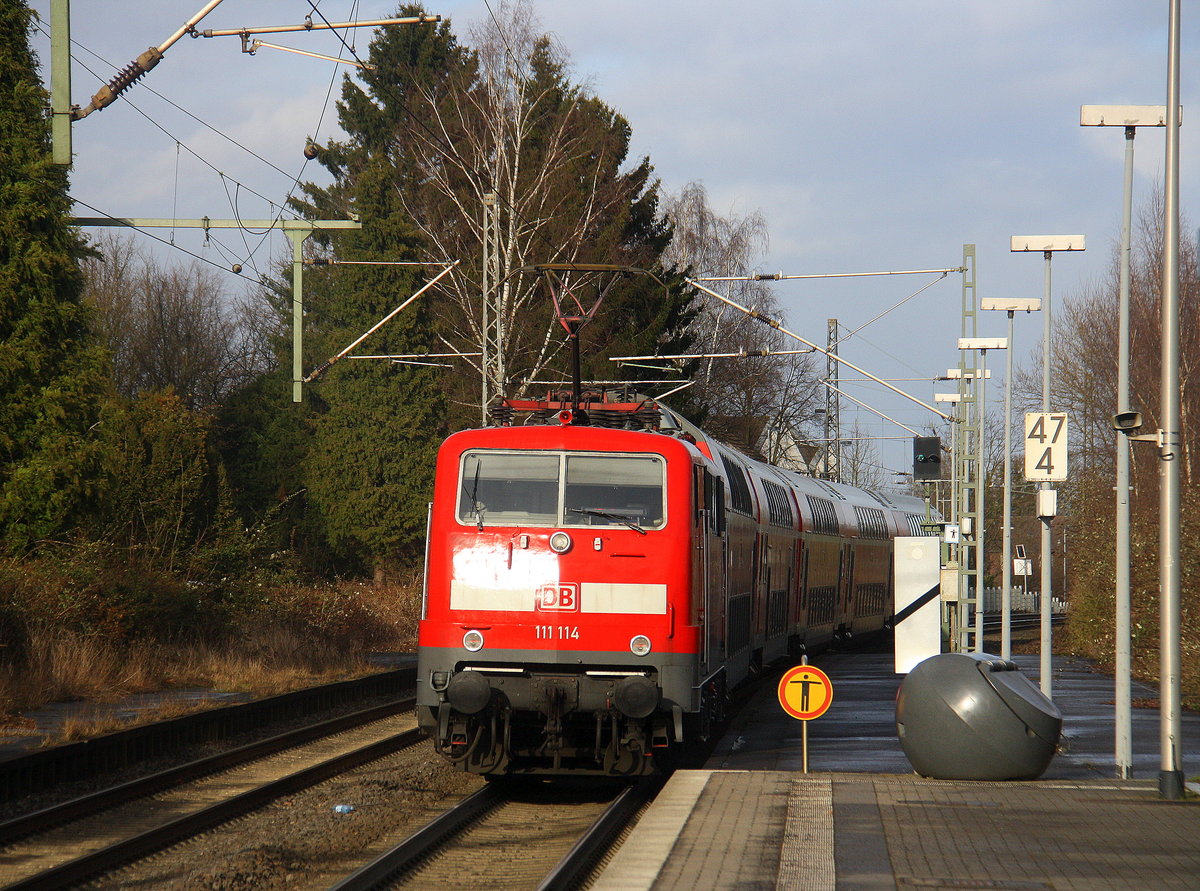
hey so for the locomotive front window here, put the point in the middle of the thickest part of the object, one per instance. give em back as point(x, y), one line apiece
point(539, 489)
point(509, 489)
point(613, 490)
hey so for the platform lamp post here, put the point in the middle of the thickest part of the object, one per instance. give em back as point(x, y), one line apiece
point(1170, 718)
point(1047, 244)
point(1011, 305)
point(983, 344)
point(1130, 117)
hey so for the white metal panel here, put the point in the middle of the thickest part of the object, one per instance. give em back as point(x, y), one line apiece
point(607, 597)
point(489, 598)
point(594, 597)
point(918, 567)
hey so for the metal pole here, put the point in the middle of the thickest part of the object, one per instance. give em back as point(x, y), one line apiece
point(981, 475)
point(967, 404)
point(956, 549)
point(1006, 557)
point(297, 237)
point(485, 395)
point(1123, 691)
point(60, 80)
point(833, 405)
point(1170, 776)
point(1046, 567)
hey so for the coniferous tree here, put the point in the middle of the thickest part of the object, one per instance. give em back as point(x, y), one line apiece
point(502, 118)
point(377, 424)
point(52, 381)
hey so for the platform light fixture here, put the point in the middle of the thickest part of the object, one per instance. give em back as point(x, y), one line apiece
point(1011, 305)
point(1130, 117)
point(1048, 245)
point(982, 344)
point(1170, 644)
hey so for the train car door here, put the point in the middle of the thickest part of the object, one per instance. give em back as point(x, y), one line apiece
point(713, 561)
point(850, 598)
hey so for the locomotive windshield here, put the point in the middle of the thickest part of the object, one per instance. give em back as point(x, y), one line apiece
point(548, 489)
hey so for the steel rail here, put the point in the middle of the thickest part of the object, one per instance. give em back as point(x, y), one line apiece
point(65, 812)
point(992, 621)
point(573, 869)
point(422, 842)
point(41, 769)
point(145, 843)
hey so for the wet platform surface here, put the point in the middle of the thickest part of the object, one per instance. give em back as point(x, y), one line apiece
point(863, 820)
point(858, 733)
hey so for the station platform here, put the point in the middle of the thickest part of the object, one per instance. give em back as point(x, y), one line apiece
point(861, 819)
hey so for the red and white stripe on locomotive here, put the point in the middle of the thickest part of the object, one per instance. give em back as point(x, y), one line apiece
point(591, 592)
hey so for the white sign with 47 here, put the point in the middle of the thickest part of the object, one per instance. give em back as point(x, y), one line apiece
point(1046, 446)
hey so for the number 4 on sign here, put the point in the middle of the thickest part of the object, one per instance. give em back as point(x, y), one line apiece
point(1046, 446)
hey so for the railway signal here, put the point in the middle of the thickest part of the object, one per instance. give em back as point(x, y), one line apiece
point(927, 457)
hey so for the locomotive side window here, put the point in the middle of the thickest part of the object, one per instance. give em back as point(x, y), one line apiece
point(607, 490)
point(509, 489)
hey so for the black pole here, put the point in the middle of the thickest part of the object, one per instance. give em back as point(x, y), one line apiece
point(576, 376)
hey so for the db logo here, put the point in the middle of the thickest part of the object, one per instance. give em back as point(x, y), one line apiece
point(561, 597)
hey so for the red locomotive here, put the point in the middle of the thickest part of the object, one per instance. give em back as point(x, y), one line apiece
point(592, 591)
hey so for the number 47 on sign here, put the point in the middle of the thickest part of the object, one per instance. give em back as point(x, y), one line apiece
point(1046, 446)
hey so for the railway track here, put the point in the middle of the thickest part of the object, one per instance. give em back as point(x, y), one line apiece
point(544, 837)
point(73, 841)
point(47, 769)
point(1019, 621)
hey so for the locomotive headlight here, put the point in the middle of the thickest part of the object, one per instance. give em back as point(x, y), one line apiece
point(473, 641)
point(560, 542)
point(639, 645)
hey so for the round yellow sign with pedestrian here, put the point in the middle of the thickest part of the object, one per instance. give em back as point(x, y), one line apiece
point(805, 692)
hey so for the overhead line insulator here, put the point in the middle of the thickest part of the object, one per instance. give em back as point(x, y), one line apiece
point(128, 76)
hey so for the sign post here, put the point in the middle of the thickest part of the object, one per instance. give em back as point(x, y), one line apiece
point(805, 693)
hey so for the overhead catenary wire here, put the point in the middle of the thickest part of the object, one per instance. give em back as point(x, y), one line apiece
point(897, 305)
point(437, 139)
point(777, 325)
point(150, 234)
point(294, 178)
point(740, 354)
point(320, 369)
point(780, 276)
point(869, 408)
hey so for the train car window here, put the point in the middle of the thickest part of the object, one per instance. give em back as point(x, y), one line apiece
point(872, 522)
point(825, 518)
point(738, 487)
point(608, 490)
point(778, 505)
point(714, 502)
point(502, 488)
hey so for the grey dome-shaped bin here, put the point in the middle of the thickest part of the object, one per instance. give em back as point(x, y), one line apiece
point(973, 716)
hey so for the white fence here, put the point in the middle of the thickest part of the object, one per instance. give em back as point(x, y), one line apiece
point(1022, 601)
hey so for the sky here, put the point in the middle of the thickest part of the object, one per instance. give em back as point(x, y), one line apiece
point(872, 135)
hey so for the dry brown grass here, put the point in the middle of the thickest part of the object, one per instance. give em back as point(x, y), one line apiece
point(296, 637)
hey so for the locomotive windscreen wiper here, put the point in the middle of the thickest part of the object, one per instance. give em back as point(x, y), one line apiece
point(591, 511)
point(475, 505)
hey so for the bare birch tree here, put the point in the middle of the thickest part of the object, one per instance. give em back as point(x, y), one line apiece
point(750, 394)
point(501, 163)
